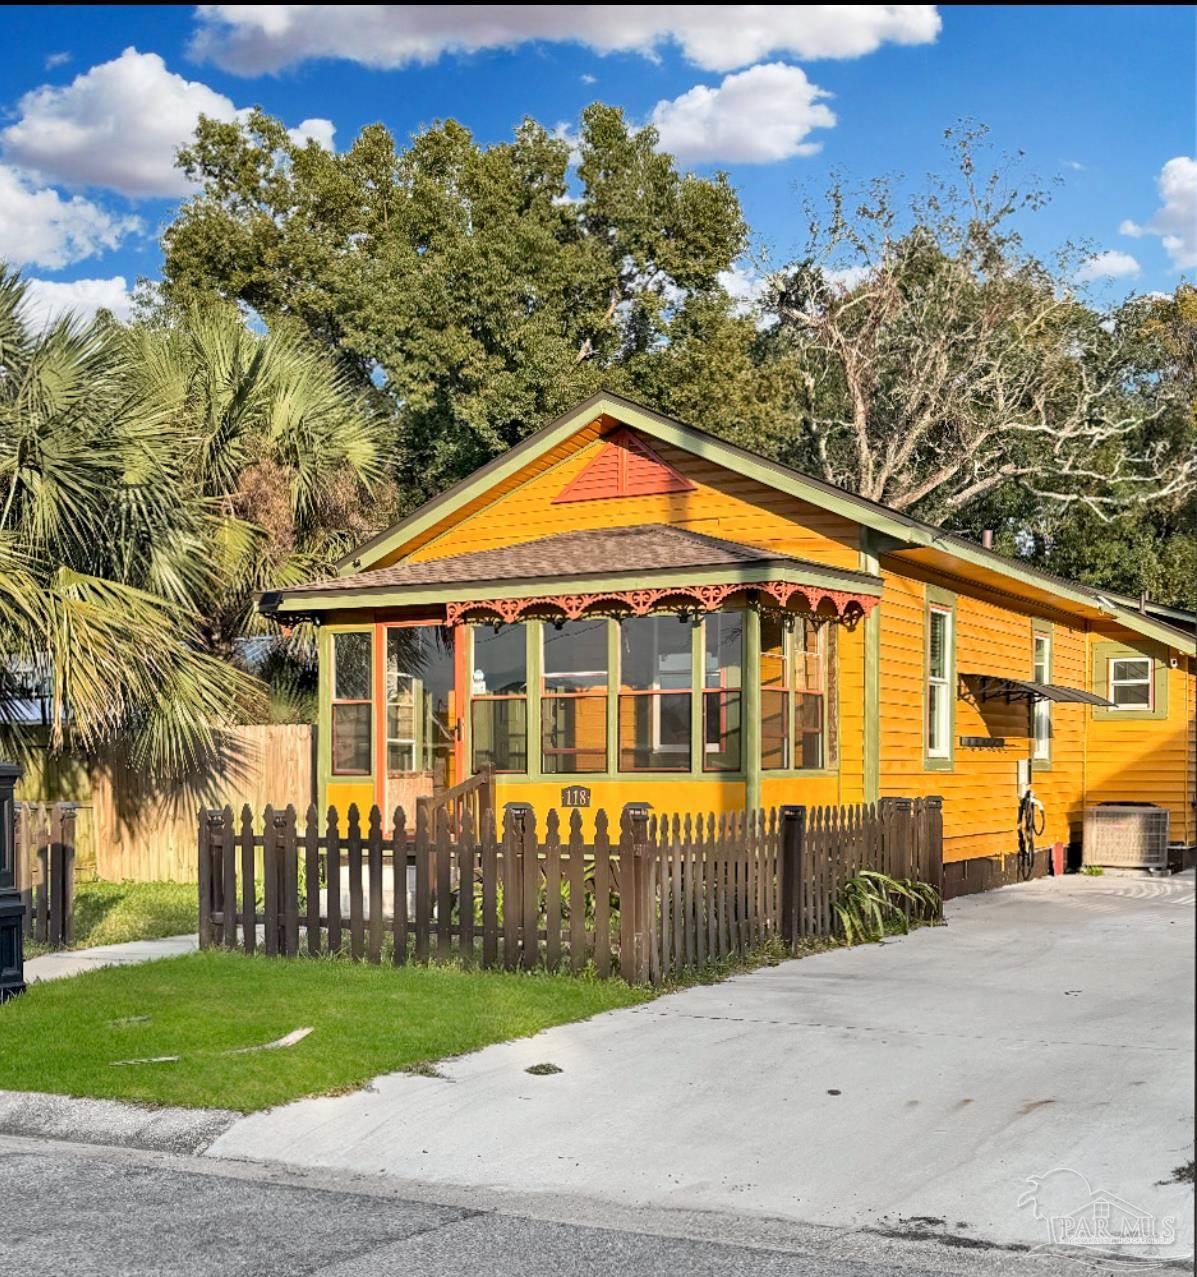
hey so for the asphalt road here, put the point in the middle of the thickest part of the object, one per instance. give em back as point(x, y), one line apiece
point(105, 1212)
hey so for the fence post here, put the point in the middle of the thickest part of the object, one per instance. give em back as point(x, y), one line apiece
point(634, 907)
point(12, 907)
point(209, 826)
point(793, 839)
point(67, 861)
point(934, 806)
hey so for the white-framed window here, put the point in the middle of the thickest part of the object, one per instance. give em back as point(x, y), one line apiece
point(1042, 673)
point(939, 682)
point(1131, 682)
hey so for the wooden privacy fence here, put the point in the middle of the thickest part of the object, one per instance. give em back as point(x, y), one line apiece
point(45, 862)
point(646, 900)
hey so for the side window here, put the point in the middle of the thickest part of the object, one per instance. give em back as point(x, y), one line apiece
point(1041, 672)
point(939, 683)
point(1131, 682)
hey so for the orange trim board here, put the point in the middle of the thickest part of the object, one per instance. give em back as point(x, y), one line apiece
point(626, 466)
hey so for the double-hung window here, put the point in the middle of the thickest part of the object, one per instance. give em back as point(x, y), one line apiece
point(1042, 713)
point(1131, 682)
point(939, 682)
point(352, 661)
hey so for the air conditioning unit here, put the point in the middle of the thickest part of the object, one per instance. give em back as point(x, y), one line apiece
point(1126, 836)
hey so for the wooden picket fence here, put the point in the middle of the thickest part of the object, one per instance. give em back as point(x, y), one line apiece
point(647, 900)
point(45, 864)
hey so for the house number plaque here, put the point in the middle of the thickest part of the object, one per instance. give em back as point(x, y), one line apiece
point(575, 796)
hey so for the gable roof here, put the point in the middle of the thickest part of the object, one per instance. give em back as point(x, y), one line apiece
point(895, 533)
point(642, 547)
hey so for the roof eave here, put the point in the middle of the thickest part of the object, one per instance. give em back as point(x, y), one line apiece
point(287, 602)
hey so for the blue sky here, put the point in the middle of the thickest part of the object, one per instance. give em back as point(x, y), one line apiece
point(94, 100)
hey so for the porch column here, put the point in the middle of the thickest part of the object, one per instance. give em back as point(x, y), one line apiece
point(750, 680)
point(872, 677)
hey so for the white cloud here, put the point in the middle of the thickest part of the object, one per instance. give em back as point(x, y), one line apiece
point(48, 300)
point(253, 38)
point(846, 278)
point(744, 286)
point(40, 227)
point(117, 125)
point(56, 60)
point(587, 78)
point(754, 117)
point(1075, 165)
point(1111, 264)
point(1175, 221)
point(317, 130)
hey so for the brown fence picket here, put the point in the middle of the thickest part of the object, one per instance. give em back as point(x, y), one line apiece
point(444, 892)
point(530, 877)
point(270, 879)
point(512, 903)
point(602, 895)
point(552, 890)
point(466, 852)
point(423, 895)
point(399, 887)
point(241, 847)
point(353, 866)
point(289, 843)
point(332, 878)
point(491, 866)
point(576, 874)
point(311, 878)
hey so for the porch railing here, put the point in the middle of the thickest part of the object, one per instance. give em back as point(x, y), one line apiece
point(646, 898)
point(464, 806)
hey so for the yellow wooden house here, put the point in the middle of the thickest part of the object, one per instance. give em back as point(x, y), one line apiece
point(624, 608)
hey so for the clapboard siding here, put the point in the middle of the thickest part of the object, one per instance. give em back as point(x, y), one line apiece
point(980, 791)
point(1147, 760)
point(721, 504)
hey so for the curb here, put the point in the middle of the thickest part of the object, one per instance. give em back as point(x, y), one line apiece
point(111, 1122)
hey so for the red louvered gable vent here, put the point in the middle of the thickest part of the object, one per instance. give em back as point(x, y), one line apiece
point(625, 467)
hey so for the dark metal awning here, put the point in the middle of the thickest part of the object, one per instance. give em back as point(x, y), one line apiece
point(991, 687)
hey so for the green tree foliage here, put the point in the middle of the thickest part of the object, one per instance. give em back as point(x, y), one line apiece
point(150, 480)
point(478, 287)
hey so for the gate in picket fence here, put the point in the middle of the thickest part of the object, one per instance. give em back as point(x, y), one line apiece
point(647, 899)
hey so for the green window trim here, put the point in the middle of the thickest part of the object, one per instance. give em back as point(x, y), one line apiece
point(750, 771)
point(1106, 651)
point(327, 683)
point(1044, 629)
point(939, 600)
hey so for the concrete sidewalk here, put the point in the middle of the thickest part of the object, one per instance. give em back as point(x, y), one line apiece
point(1038, 1047)
point(66, 962)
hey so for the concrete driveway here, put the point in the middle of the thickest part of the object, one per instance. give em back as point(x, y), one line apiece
point(1038, 1048)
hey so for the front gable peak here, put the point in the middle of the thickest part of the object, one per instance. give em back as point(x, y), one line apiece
point(626, 466)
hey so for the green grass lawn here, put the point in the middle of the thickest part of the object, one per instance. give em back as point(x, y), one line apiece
point(64, 1036)
point(113, 912)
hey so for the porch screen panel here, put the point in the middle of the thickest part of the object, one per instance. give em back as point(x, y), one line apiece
point(420, 727)
point(352, 682)
point(655, 677)
point(723, 658)
point(794, 711)
point(574, 701)
point(499, 698)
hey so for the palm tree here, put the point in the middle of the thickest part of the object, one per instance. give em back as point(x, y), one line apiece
point(151, 480)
